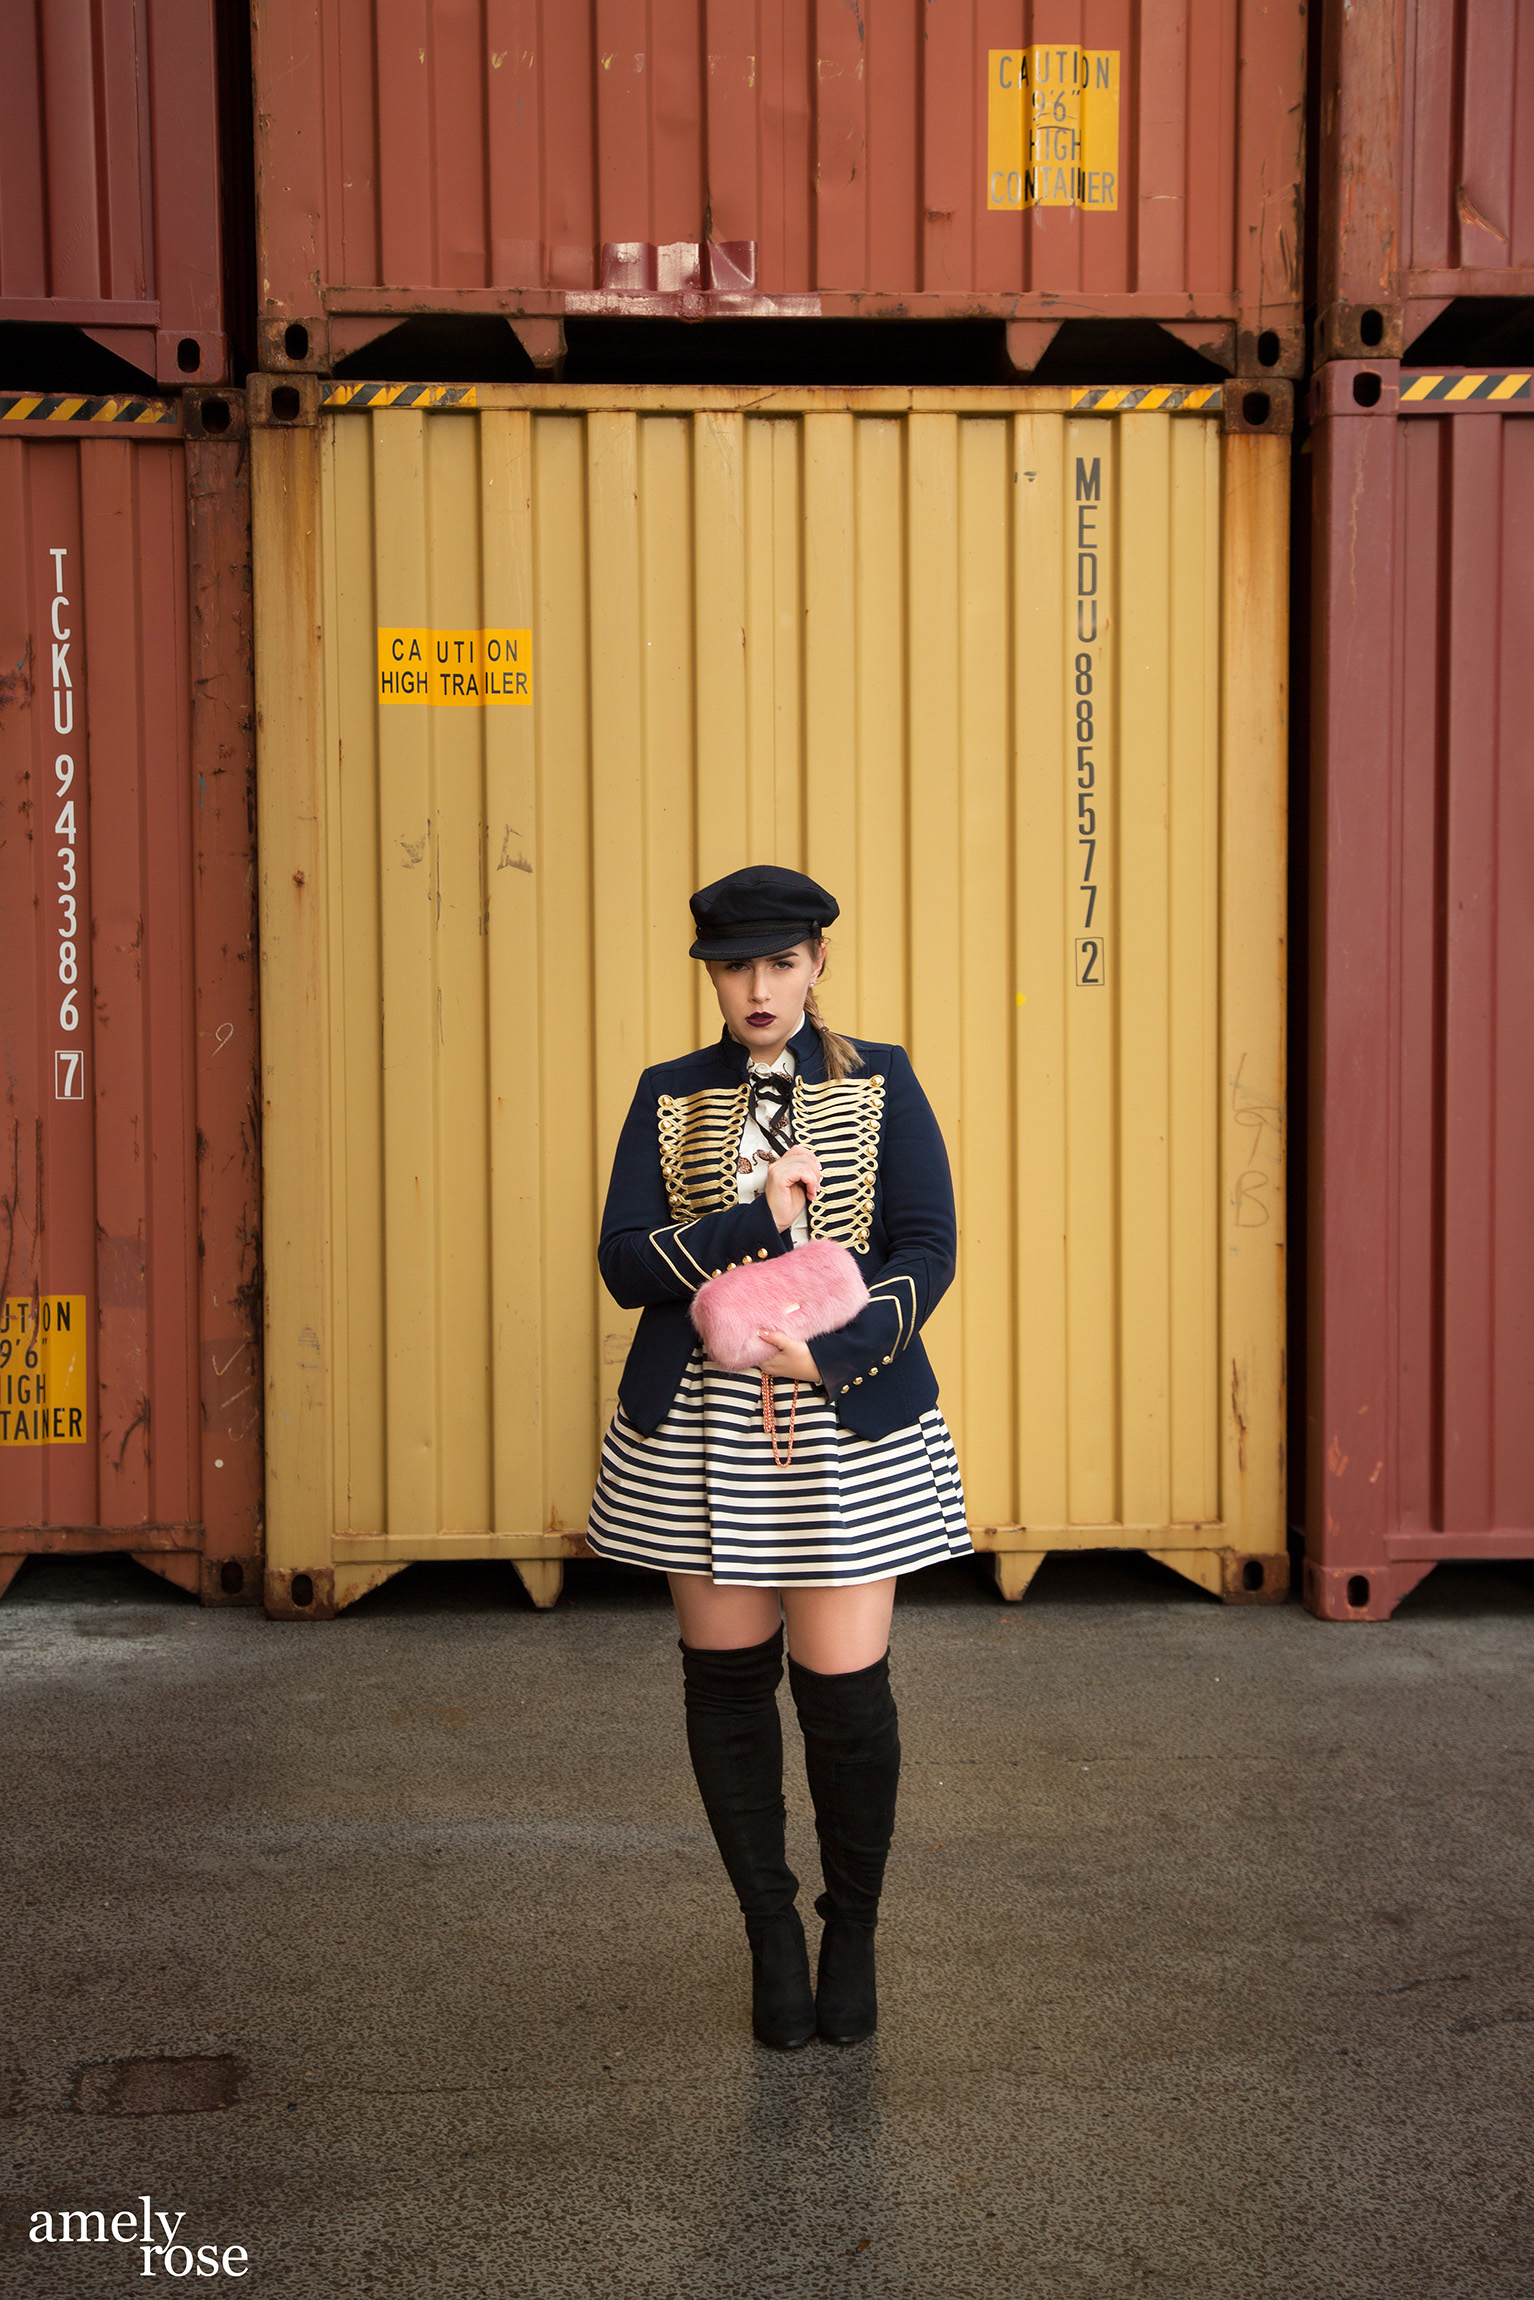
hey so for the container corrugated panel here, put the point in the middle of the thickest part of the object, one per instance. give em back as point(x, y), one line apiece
point(1006, 670)
point(1421, 1239)
point(798, 157)
point(109, 180)
point(1426, 188)
point(129, 1207)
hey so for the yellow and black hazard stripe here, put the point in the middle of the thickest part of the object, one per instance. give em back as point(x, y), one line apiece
point(397, 395)
point(1147, 398)
point(1460, 384)
point(72, 407)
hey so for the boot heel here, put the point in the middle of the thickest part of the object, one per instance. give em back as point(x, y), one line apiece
point(782, 2006)
point(846, 1998)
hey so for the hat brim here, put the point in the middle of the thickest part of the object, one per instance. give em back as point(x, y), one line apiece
point(762, 944)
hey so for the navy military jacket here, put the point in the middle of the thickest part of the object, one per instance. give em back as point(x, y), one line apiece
point(672, 1220)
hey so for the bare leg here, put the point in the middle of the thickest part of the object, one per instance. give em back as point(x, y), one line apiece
point(718, 1620)
point(829, 1630)
point(833, 1631)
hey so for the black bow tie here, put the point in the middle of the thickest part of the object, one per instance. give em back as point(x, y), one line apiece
point(775, 1088)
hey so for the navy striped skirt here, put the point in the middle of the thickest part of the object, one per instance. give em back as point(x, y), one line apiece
point(702, 1493)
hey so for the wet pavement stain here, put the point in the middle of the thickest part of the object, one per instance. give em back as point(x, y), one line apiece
point(164, 2085)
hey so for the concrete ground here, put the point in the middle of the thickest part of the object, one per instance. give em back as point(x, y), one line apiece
point(1205, 1963)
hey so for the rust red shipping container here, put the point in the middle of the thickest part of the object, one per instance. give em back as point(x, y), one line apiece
point(1421, 1244)
point(109, 179)
point(1426, 184)
point(698, 159)
point(130, 1302)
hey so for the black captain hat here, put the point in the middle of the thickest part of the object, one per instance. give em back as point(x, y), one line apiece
point(758, 910)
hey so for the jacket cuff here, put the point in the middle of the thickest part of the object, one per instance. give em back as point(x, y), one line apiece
point(752, 1233)
point(857, 1353)
point(764, 1231)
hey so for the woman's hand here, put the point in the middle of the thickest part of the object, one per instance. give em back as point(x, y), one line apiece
point(793, 1361)
point(797, 1169)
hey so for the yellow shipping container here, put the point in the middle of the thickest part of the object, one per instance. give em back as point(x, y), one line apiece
point(1006, 668)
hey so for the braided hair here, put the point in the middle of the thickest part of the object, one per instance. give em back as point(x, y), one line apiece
point(840, 1053)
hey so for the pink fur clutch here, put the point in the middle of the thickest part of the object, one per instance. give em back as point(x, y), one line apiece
point(811, 1291)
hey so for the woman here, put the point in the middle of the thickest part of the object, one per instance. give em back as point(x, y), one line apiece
point(782, 1132)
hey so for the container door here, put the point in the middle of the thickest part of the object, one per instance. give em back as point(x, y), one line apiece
point(1011, 684)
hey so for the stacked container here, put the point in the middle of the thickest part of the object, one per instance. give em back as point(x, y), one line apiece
point(1425, 193)
point(1006, 667)
point(802, 159)
point(129, 1369)
point(860, 632)
point(1420, 1353)
point(1008, 661)
point(110, 193)
point(130, 1391)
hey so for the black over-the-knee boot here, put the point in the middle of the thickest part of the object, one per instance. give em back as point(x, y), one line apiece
point(736, 1744)
point(852, 1757)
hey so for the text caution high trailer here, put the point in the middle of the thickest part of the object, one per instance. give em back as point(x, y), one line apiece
point(1006, 668)
point(130, 1407)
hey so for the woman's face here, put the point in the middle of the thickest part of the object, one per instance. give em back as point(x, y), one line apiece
point(762, 999)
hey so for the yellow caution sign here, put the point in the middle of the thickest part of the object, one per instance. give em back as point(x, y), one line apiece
point(467, 669)
point(42, 1370)
point(1053, 128)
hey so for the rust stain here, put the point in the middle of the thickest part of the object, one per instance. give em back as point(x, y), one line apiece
point(1337, 1460)
point(248, 1298)
point(16, 684)
point(1238, 1414)
point(1468, 213)
point(139, 1421)
point(10, 1205)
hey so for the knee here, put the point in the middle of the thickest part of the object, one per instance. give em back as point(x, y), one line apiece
point(853, 1704)
point(734, 1676)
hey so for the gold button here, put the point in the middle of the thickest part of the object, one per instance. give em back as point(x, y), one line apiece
point(729, 1265)
point(857, 1381)
point(761, 1253)
point(716, 1273)
point(890, 1360)
point(842, 1392)
point(872, 1371)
